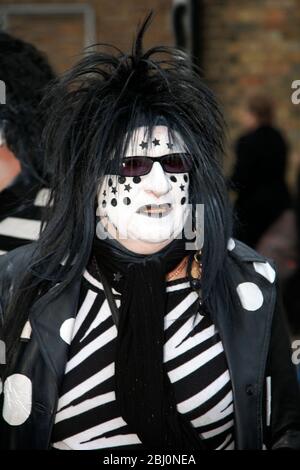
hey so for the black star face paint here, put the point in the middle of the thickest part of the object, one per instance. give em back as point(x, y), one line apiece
point(144, 145)
point(157, 207)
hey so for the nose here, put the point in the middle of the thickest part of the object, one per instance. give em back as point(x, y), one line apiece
point(157, 182)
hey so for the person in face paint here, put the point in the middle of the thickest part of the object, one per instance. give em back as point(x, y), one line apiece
point(129, 338)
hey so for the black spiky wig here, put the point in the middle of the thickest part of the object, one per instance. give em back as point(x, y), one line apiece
point(26, 73)
point(92, 110)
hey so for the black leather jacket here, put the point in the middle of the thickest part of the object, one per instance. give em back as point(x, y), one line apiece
point(256, 345)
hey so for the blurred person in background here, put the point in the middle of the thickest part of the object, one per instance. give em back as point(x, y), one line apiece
point(259, 173)
point(25, 72)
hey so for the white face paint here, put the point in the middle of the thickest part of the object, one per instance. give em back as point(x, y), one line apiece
point(123, 201)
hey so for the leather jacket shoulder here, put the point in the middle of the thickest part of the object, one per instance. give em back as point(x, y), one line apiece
point(12, 265)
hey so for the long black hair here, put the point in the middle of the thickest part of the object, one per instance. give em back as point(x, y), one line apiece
point(92, 110)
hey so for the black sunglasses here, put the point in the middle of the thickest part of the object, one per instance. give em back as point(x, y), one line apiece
point(171, 163)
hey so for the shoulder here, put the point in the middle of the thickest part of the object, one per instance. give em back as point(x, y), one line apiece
point(253, 275)
point(16, 262)
point(13, 265)
point(245, 139)
point(279, 138)
point(240, 252)
point(253, 287)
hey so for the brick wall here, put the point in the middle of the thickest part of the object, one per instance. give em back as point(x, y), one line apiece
point(62, 37)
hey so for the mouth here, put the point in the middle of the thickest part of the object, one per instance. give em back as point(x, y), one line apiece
point(156, 211)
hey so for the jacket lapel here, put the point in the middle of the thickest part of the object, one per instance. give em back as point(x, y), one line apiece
point(245, 341)
point(52, 324)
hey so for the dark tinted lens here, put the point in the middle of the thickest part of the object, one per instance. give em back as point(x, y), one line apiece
point(177, 163)
point(136, 166)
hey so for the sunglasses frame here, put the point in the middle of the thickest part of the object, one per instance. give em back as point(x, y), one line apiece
point(159, 160)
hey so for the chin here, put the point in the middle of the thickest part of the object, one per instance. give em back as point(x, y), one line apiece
point(151, 231)
point(149, 238)
point(145, 247)
point(152, 236)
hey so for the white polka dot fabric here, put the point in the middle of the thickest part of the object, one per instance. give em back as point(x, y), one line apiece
point(231, 244)
point(17, 399)
point(250, 295)
point(26, 332)
point(66, 330)
point(266, 270)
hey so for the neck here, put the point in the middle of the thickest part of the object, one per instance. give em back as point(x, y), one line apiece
point(179, 272)
point(113, 257)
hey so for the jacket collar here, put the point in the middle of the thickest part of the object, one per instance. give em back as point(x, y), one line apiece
point(241, 252)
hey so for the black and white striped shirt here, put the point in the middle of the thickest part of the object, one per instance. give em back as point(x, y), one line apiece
point(87, 415)
point(22, 225)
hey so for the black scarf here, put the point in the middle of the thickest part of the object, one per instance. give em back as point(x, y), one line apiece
point(143, 389)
